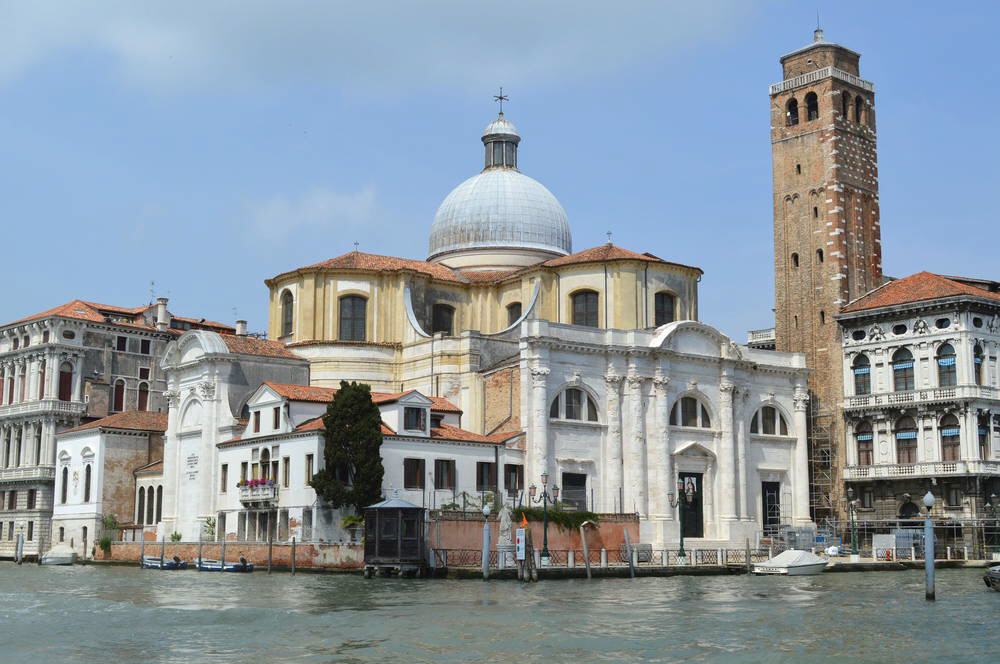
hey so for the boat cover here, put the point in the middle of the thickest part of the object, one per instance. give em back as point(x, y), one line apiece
point(794, 558)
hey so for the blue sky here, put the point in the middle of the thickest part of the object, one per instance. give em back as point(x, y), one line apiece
point(208, 146)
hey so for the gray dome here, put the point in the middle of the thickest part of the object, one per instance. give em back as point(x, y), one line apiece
point(500, 208)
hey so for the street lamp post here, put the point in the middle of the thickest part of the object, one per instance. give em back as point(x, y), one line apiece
point(929, 548)
point(852, 511)
point(544, 499)
point(686, 492)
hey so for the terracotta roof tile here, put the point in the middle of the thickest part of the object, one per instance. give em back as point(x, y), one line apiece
point(607, 253)
point(96, 312)
point(316, 394)
point(919, 287)
point(244, 345)
point(133, 420)
point(357, 260)
point(150, 468)
point(449, 432)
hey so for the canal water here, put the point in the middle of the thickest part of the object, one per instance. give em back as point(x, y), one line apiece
point(119, 615)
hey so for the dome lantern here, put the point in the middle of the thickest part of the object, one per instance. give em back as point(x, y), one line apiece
point(500, 218)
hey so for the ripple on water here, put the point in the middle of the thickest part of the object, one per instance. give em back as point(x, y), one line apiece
point(126, 614)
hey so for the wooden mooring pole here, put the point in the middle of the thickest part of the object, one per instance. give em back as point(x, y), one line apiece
point(293, 556)
point(270, 543)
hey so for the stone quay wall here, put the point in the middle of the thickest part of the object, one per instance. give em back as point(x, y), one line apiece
point(457, 530)
point(307, 555)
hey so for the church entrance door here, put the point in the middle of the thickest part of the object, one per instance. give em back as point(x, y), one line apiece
point(771, 497)
point(694, 520)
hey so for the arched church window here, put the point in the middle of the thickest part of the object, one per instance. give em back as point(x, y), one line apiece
point(812, 107)
point(140, 512)
point(585, 308)
point(574, 404)
point(689, 412)
point(983, 430)
point(862, 371)
point(353, 309)
point(143, 396)
point(864, 437)
point(845, 105)
point(819, 255)
point(792, 112)
point(859, 109)
point(664, 308)
point(769, 421)
point(902, 370)
point(950, 438)
point(795, 260)
point(159, 504)
point(443, 319)
point(66, 382)
point(287, 313)
point(977, 364)
point(64, 489)
point(86, 482)
point(513, 313)
point(947, 374)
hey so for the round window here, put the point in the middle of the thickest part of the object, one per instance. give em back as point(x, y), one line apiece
point(977, 322)
point(899, 329)
point(858, 335)
point(942, 323)
point(69, 334)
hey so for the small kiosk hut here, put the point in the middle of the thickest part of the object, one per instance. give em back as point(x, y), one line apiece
point(394, 538)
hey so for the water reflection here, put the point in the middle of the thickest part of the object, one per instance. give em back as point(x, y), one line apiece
point(128, 614)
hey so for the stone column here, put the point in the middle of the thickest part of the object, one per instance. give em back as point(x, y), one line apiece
point(743, 400)
point(727, 461)
point(658, 450)
point(540, 425)
point(78, 378)
point(53, 365)
point(3, 383)
point(32, 379)
point(635, 495)
point(614, 482)
point(18, 373)
point(800, 476)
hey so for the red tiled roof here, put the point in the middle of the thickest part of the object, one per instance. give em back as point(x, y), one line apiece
point(357, 260)
point(919, 287)
point(316, 424)
point(449, 432)
point(98, 313)
point(204, 323)
point(243, 345)
point(325, 395)
point(150, 468)
point(606, 253)
point(133, 420)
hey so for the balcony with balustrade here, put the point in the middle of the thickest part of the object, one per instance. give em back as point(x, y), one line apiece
point(915, 397)
point(258, 494)
point(28, 474)
point(43, 407)
point(926, 469)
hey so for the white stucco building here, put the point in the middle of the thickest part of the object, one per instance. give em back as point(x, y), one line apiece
point(263, 475)
point(616, 417)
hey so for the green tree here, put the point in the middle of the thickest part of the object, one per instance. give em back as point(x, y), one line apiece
point(352, 472)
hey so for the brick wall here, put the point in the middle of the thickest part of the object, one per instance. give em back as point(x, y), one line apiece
point(307, 556)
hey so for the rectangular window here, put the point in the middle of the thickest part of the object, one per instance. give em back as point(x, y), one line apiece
point(513, 477)
point(144, 373)
point(277, 418)
point(309, 469)
point(413, 474)
point(585, 308)
point(953, 496)
point(12, 500)
point(286, 473)
point(444, 474)
point(144, 346)
point(256, 421)
point(574, 404)
point(223, 478)
point(867, 499)
point(31, 530)
point(243, 471)
point(689, 412)
point(31, 499)
point(664, 309)
point(10, 530)
point(121, 343)
point(415, 419)
point(486, 476)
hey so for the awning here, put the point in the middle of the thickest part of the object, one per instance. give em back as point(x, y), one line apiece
point(864, 437)
point(946, 361)
point(907, 364)
point(906, 435)
point(860, 371)
point(950, 431)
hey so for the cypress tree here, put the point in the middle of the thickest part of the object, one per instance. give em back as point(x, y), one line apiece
point(352, 470)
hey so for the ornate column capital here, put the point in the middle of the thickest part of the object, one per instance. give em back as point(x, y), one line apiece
point(635, 381)
point(661, 383)
point(206, 390)
point(539, 376)
point(801, 400)
point(613, 379)
point(173, 398)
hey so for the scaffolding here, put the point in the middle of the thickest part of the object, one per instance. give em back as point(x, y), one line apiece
point(821, 463)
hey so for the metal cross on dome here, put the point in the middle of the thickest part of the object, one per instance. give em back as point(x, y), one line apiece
point(501, 98)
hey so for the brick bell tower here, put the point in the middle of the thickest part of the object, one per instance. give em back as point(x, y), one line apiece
point(827, 246)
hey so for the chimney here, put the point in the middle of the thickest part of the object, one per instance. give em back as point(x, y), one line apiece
point(162, 317)
point(241, 328)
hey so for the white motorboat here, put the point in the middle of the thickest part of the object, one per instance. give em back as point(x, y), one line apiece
point(792, 563)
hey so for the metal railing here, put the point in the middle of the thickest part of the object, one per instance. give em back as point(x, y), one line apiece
point(923, 469)
point(604, 558)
